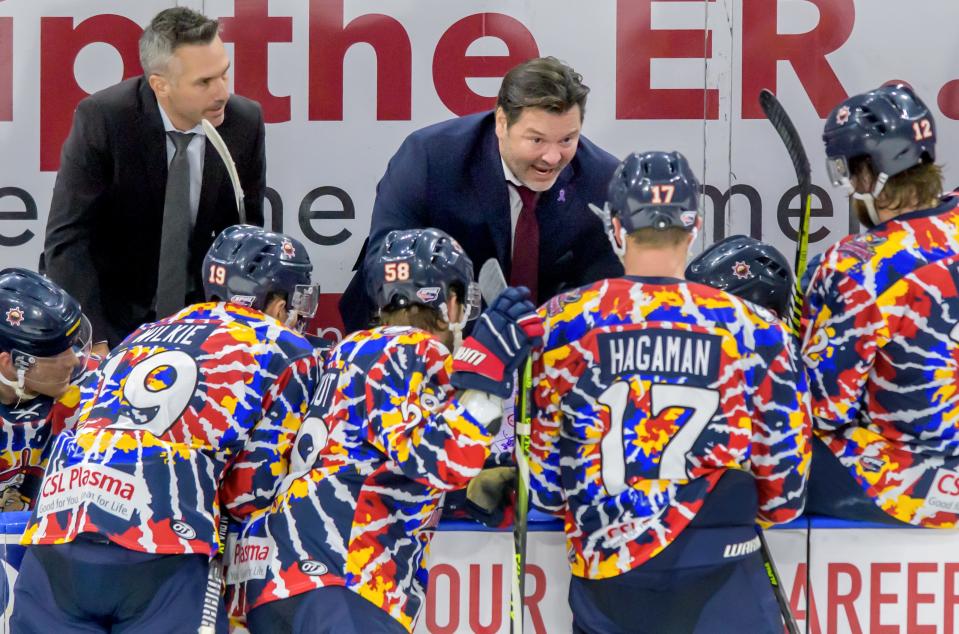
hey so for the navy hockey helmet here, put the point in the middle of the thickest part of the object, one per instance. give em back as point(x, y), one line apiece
point(748, 268)
point(890, 125)
point(246, 264)
point(655, 189)
point(39, 321)
point(420, 266)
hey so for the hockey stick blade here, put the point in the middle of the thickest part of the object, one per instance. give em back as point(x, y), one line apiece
point(220, 146)
point(797, 154)
point(491, 281)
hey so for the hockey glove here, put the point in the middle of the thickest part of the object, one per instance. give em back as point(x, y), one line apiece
point(488, 495)
point(501, 340)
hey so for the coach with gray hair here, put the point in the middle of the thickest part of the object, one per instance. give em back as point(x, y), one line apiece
point(141, 191)
point(511, 184)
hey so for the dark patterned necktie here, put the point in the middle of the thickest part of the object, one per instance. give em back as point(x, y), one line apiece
point(175, 236)
point(525, 267)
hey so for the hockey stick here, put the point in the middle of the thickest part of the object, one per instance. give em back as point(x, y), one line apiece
point(492, 283)
point(220, 146)
point(214, 583)
point(775, 581)
point(797, 154)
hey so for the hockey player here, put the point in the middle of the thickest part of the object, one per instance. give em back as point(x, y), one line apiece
point(192, 414)
point(44, 352)
point(668, 420)
point(748, 268)
point(342, 550)
point(882, 350)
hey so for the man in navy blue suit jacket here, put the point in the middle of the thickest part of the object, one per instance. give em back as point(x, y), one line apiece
point(464, 176)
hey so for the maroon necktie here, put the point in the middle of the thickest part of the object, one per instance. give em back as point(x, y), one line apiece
point(525, 268)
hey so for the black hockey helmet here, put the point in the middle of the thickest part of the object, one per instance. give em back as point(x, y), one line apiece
point(421, 266)
point(753, 270)
point(245, 264)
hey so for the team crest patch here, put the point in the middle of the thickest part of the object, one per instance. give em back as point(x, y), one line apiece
point(557, 304)
point(15, 316)
point(428, 294)
point(842, 116)
point(742, 271)
point(688, 218)
point(287, 250)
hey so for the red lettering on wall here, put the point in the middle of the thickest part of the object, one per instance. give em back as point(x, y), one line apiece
point(877, 598)
point(6, 69)
point(496, 603)
point(914, 598)
point(532, 600)
point(846, 601)
point(251, 30)
point(637, 44)
point(452, 66)
point(60, 93)
point(329, 41)
point(453, 600)
point(797, 602)
point(950, 598)
point(806, 52)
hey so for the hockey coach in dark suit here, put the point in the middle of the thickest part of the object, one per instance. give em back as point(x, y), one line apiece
point(512, 184)
point(141, 192)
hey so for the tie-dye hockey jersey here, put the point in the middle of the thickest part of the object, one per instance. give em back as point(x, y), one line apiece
point(27, 430)
point(646, 392)
point(386, 439)
point(191, 414)
point(882, 357)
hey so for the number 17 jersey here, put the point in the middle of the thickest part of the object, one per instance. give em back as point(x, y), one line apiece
point(647, 391)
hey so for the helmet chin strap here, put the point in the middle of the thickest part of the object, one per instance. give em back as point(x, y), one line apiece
point(869, 199)
point(455, 328)
point(18, 385)
point(618, 248)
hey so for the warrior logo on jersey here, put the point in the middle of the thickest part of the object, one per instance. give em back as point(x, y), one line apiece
point(842, 116)
point(15, 316)
point(742, 271)
point(287, 251)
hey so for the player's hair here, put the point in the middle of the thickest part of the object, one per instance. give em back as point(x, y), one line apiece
point(543, 82)
point(418, 315)
point(651, 237)
point(169, 29)
point(917, 187)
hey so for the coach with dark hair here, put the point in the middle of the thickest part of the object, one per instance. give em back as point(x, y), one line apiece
point(511, 184)
point(141, 193)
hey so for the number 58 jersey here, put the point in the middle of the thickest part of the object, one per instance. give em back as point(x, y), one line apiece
point(189, 415)
point(647, 391)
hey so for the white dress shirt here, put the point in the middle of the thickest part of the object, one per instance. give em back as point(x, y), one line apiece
point(194, 152)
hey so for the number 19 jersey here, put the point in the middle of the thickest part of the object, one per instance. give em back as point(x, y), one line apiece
point(647, 391)
point(188, 415)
